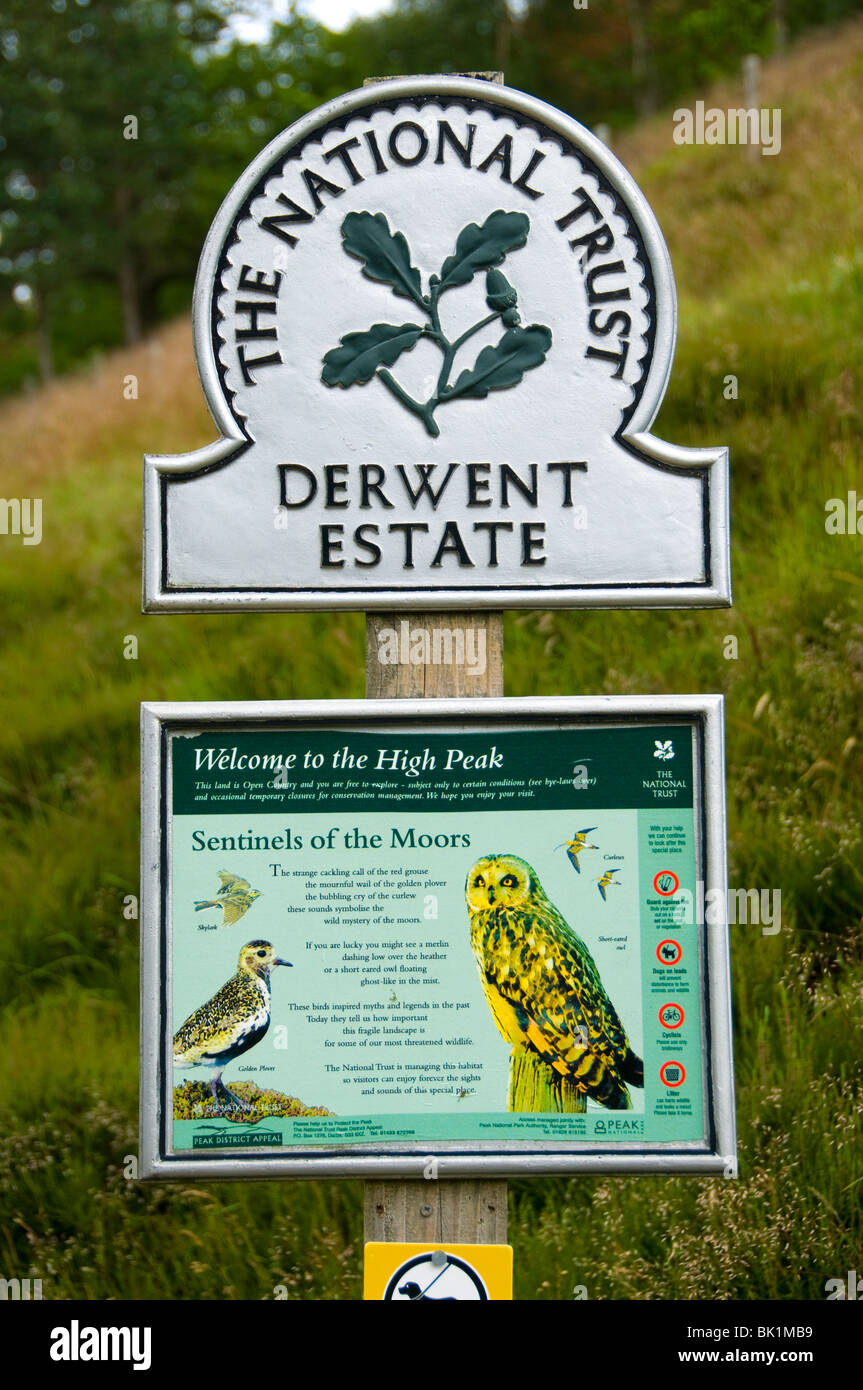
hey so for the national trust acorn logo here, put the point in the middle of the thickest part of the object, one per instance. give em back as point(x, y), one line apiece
point(386, 257)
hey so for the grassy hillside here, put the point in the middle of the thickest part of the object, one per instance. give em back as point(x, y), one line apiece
point(770, 273)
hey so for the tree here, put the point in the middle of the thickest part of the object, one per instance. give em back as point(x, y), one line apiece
point(100, 100)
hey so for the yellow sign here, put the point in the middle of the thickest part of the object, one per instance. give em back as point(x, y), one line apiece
point(403, 1273)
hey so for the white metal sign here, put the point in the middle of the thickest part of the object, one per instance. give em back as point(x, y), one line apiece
point(434, 321)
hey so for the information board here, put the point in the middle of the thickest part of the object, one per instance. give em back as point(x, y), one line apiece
point(382, 935)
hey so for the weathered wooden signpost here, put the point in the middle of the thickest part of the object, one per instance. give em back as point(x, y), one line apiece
point(434, 322)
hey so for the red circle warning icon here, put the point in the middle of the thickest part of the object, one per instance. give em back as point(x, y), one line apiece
point(666, 883)
point(671, 1015)
point(672, 1074)
point(669, 952)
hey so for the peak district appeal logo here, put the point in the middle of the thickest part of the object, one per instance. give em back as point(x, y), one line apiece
point(386, 258)
point(234, 1136)
point(434, 321)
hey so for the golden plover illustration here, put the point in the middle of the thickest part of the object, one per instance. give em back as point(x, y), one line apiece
point(235, 1019)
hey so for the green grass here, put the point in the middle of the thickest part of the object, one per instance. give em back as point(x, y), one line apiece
point(772, 291)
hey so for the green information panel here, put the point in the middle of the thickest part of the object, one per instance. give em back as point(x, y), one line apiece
point(466, 940)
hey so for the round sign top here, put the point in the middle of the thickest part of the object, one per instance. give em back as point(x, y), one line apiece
point(381, 245)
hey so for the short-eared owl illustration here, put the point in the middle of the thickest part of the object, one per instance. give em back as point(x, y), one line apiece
point(542, 985)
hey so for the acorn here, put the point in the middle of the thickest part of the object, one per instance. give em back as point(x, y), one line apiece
point(499, 293)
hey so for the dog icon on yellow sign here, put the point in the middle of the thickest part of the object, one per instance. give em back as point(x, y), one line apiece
point(406, 1273)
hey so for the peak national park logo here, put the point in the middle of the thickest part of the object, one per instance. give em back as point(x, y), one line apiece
point(386, 257)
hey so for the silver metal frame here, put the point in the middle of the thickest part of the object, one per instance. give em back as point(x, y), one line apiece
point(712, 463)
point(455, 1160)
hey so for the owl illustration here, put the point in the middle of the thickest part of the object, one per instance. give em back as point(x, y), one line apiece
point(543, 987)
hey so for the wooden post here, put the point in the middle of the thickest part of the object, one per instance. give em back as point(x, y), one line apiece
point(458, 1211)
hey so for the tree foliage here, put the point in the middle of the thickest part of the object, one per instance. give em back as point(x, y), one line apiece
point(125, 122)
